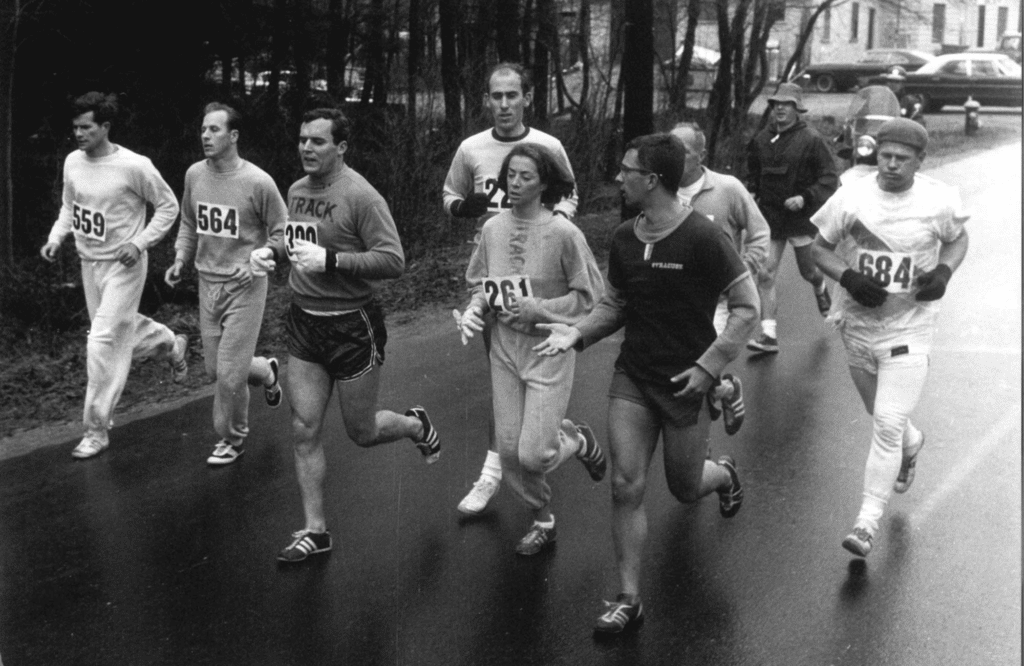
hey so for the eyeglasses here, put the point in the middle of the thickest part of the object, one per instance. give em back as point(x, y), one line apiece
point(623, 169)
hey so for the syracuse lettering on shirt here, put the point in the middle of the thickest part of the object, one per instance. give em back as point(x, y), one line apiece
point(306, 230)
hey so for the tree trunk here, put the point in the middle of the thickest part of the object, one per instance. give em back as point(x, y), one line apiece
point(337, 50)
point(278, 48)
point(682, 76)
point(373, 84)
point(804, 37)
point(526, 34)
point(547, 38)
point(449, 20)
point(414, 57)
point(10, 11)
point(638, 70)
point(507, 18)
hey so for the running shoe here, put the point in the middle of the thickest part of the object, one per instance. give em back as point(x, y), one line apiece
point(858, 541)
point(591, 454)
point(730, 501)
point(273, 393)
point(430, 445)
point(225, 453)
point(733, 409)
point(477, 499)
point(536, 539)
point(305, 543)
point(764, 344)
point(89, 447)
point(906, 476)
point(619, 615)
point(824, 301)
point(179, 366)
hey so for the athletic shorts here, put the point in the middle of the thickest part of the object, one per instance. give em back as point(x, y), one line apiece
point(867, 349)
point(347, 345)
point(677, 411)
point(783, 225)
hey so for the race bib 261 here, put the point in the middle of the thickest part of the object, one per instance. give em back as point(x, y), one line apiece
point(893, 270)
point(296, 230)
point(501, 290)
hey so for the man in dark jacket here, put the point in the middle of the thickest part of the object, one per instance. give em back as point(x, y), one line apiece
point(791, 174)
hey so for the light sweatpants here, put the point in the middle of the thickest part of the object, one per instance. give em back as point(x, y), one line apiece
point(900, 381)
point(230, 316)
point(530, 396)
point(117, 334)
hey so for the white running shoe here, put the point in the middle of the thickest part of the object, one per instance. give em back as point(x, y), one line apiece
point(477, 499)
point(89, 447)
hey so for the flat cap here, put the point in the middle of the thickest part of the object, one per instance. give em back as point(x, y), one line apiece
point(905, 131)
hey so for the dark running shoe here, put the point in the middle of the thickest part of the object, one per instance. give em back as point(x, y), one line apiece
point(272, 393)
point(430, 445)
point(591, 454)
point(306, 543)
point(824, 301)
point(730, 501)
point(858, 542)
point(906, 476)
point(733, 409)
point(536, 539)
point(225, 453)
point(620, 615)
point(765, 344)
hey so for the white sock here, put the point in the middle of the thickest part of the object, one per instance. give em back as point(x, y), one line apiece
point(912, 439)
point(492, 466)
point(870, 513)
point(768, 326)
point(820, 287)
point(548, 525)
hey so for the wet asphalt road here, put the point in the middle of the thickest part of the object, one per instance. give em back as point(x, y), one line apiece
point(145, 556)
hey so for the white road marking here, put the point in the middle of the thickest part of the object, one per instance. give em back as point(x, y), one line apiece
point(958, 475)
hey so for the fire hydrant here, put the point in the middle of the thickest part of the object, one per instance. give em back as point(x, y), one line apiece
point(972, 120)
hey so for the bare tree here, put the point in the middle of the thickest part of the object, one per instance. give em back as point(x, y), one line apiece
point(449, 20)
point(637, 69)
point(10, 13)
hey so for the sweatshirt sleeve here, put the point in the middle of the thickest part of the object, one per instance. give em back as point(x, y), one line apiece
point(154, 189)
point(756, 232)
point(476, 272)
point(458, 184)
point(608, 317)
point(586, 287)
point(275, 213)
point(187, 241)
point(823, 170)
point(568, 204)
point(744, 312)
point(383, 257)
point(62, 226)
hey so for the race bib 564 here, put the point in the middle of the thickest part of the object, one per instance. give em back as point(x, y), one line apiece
point(501, 290)
point(893, 270)
point(216, 220)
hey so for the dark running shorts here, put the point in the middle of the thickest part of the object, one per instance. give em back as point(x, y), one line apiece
point(347, 345)
point(680, 413)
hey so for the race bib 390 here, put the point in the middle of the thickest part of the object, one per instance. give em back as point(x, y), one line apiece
point(296, 230)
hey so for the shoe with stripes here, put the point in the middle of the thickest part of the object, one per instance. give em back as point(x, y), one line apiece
point(824, 301)
point(225, 453)
point(305, 543)
point(858, 541)
point(733, 408)
point(906, 476)
point(591, 454)
point(179, 364)
point(537, 539)
point(619, 615)
point(764, 344)
point(89, 446)
point(730, 501)
point(430, 444)
point(272, 393)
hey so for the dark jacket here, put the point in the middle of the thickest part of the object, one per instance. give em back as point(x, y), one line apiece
point(780, 166)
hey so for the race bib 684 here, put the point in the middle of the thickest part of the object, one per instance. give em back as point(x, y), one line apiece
point(501, 290)
point(893, 270)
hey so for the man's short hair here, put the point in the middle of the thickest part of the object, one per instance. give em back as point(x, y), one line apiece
point(549, 170)
point(340, 126)
point(699, 136)
point(104, 107)
point(234, 117)
point(663, 155)
point(525, 76)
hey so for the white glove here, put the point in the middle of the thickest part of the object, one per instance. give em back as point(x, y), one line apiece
point(309, 257)
point(261, 261)
point(468, 322)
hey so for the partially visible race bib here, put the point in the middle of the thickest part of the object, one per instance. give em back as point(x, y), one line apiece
point(295, 230)
point(893, 270)
point(87, 223)
point(216, 220)
point(500, 290)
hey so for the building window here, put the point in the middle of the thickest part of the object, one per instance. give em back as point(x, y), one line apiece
point(826, 26)
point(981, 25)
point(1002, 19)
point(938, 23)
point(854, 21)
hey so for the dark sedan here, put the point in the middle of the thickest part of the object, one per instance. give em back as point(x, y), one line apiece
point(992, 79)
point(832, 76)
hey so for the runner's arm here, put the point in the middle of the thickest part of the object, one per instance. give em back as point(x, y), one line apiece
point(744, 311)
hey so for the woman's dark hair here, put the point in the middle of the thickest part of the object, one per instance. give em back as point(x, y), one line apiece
point(560, 183)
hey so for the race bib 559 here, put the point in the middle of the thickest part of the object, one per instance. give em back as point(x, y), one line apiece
point(88, 223)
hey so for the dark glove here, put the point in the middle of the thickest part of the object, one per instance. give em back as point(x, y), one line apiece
point(864, 290)
point(931, 285)
point(474, 205)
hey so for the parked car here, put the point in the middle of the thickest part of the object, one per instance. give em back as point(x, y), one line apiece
point(839, 76)
point(992, 79)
